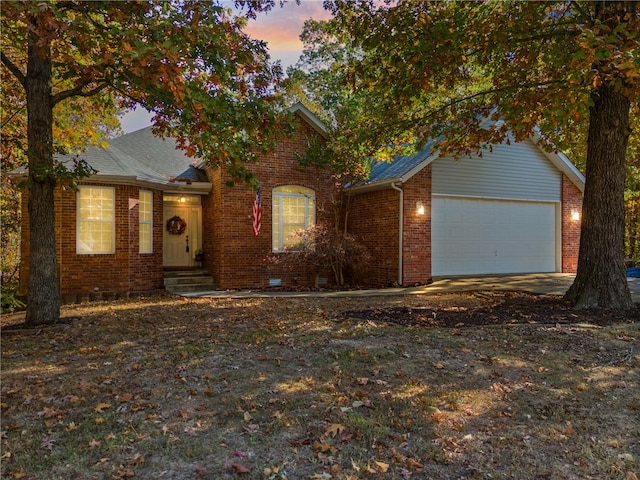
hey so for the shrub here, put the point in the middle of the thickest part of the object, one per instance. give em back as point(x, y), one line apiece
point(323, 248)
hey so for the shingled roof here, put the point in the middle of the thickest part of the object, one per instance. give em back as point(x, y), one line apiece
point(401, 167)
point(140, 156)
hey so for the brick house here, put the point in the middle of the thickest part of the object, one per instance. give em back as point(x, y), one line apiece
point(150, 209)
point(113, 233)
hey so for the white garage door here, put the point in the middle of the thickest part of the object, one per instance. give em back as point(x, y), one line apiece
point(472, 236)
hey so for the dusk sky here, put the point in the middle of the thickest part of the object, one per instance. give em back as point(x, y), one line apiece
point(280, 28)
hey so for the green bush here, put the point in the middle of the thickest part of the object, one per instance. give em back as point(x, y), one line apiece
point(9, 302)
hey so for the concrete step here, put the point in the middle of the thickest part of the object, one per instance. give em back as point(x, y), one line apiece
point(191, 288)
point(188, 281)
point(186, 273)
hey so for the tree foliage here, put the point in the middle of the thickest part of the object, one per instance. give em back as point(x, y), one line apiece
point(78, 122)
point(438, 70)
point(209, 84)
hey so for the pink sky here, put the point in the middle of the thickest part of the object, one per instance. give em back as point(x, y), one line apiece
point(280, 28)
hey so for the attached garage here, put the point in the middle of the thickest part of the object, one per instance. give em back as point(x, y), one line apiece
point(512, 210)
point(496, 213)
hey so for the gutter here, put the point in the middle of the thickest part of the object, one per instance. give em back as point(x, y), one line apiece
point(201, 188)
point(400, 231)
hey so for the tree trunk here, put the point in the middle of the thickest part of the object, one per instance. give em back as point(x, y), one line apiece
point(43, 301)
point(600, 280)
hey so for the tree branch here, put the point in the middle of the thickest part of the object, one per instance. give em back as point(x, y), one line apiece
point(126, 94)
point(17, 111)
point(407, 123)
point(586, 15)
point(14, 69)
point(77, 92)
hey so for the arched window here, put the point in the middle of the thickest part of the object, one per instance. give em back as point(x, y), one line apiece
point(294, 209)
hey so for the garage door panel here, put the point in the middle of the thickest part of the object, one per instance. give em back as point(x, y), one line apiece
point(471, 236)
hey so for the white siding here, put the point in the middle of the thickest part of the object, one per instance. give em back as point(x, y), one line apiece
point(518, 171)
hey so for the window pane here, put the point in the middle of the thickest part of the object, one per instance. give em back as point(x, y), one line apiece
point(293, 210)
point(96, 214)
point(145, 206)
point(144, 220)
point(289, 235)
point(145, 238)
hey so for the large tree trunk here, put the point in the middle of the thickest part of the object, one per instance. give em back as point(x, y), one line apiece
point(600, 280)
point(43, 302)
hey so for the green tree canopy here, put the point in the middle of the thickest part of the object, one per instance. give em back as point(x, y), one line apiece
point(208, 83)
point(560, 70)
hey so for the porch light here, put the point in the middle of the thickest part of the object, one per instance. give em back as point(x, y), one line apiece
point(419, 208)
point(182, 199)
point(575, 215)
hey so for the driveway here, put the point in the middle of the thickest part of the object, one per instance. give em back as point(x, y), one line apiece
point(551, 283)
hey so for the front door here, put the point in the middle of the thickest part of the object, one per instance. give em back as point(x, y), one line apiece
point(182, 235)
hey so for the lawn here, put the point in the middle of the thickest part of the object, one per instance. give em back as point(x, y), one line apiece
point(174, 388)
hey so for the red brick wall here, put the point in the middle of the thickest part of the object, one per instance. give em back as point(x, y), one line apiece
point(571, 202)
point(239, 259)
point(145, 269)
point(212, 226)
point(374, 221)
point(102, 274)
point(416, 249)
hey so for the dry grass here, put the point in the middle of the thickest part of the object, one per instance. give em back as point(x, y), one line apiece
point(292, 389)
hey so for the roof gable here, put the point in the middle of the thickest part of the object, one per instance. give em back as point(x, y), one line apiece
point(303, 112)
point(404, 167)
point(140, 156)
point(159, 154)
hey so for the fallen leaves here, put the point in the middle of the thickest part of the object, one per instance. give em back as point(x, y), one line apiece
point(101, 407)
point(238, 468)
point(334, 429)
point(378, 467)
point(343, 404)
point(95, 443)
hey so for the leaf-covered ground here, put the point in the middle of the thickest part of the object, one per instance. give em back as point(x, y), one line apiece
point(315, 388)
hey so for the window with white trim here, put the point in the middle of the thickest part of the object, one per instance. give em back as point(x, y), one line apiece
point(294, 209)
point(145, 216)
point(96, 218)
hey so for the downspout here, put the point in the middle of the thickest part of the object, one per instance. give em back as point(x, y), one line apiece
point(400, 231)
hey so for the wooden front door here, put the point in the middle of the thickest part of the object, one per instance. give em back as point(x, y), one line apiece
point(179, 249)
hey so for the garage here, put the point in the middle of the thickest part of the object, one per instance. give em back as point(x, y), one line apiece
point(496, 213)
point(482, 236)
point(510, 208)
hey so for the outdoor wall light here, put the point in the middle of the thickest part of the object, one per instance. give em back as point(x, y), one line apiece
point(575, 216)
point(419, 208)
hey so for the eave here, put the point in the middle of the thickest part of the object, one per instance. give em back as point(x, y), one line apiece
point(196, 188)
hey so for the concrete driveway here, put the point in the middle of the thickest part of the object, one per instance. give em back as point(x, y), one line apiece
point(552, 283)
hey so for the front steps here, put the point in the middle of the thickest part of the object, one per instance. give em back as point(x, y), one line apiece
point(188, 281)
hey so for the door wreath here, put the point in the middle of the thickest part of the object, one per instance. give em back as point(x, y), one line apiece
point(176, 225)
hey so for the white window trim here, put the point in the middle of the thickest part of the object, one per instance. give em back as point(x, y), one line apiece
point(277, 196)
point(113, 222)
point(146, 222)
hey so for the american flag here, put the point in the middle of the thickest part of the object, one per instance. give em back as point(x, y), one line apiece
point(256, 213)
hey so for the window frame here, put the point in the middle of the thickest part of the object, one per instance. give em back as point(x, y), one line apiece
point(80, 220)
point(148, 222)
point(279, 195)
